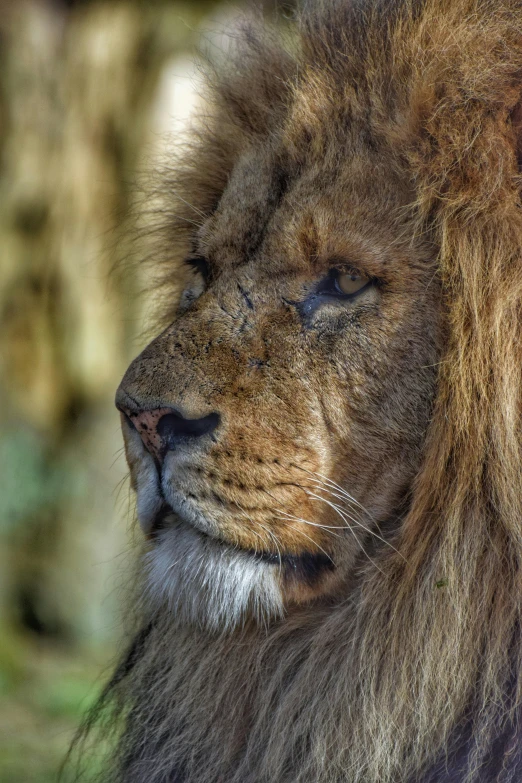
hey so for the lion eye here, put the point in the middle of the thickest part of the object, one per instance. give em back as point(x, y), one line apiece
point(350, 283)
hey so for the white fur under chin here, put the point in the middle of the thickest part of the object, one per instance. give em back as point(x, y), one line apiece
point(208, 583)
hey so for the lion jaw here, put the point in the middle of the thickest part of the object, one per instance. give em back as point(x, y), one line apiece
point(203, 580)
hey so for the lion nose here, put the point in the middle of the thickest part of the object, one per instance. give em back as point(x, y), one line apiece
point(163, 429)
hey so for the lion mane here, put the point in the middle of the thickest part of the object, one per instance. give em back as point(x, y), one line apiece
point(410, 673)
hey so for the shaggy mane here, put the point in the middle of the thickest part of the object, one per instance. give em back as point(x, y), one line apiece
point(374, 685)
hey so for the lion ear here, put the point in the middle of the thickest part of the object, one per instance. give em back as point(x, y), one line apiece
point(516, 121)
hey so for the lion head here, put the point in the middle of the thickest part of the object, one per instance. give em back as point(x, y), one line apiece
point(277, 423)
point(325, 437)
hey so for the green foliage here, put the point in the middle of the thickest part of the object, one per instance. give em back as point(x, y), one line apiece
point(44, 692)
point(79, 88)
point(27, 482)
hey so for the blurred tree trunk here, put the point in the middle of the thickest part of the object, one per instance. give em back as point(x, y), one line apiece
point(76, 88)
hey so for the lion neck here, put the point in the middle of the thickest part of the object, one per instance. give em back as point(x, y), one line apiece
point(366, 698)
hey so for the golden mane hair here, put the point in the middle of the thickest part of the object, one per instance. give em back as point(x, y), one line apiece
point(422, 658)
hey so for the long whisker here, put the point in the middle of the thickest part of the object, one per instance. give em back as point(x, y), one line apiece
point(117, 456)
point(187, 220)
point(264, 541)
point(286, 515)
point(323, 488)
point(355, 520)
point(313, 542)
point(196, 210)
point(326, 480)
point(344, 495)
point(344, 513)
point(267, 530)
point(275, 540)
point(350, 528)
point(260, 537)
point(328, 528)
point(300, 519)
point(274, 537)
point(349, 514)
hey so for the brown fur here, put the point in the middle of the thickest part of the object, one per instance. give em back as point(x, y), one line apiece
point(386, 140)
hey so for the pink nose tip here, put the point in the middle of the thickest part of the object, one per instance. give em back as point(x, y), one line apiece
point(146, 423)
point(164, 429)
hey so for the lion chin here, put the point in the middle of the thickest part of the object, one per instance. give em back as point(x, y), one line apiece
point(324, 437)
point(203, 578)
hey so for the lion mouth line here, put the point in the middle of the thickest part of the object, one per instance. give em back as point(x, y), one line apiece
point(306, 565)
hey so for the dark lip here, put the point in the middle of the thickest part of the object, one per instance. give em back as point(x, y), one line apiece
point(307, 566)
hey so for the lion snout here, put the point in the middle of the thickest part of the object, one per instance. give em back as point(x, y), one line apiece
point(162, 429)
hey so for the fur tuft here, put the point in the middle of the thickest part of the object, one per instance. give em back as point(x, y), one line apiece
point(203, 581)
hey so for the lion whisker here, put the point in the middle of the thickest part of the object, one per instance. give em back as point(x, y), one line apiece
point(287, 515)
point(328, 528)
point(322, 485)
point(267, 530)
point(263, 540)
point(274, 538)
point(344, 492)
point(357, 521)
point(196, 210)
point(345, 515)
point(117, 489)
point(351, 529)
point(302, 533)
point(187, 220)
point(343, 495)
point(324, 480)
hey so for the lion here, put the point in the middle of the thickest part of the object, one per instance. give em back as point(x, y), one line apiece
point(325, 435)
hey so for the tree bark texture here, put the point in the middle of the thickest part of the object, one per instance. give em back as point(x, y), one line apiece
point(77, 84)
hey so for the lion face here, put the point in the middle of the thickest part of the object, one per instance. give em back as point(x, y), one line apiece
point(274, 428)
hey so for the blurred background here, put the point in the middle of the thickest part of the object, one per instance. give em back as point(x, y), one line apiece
point(93, 95)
